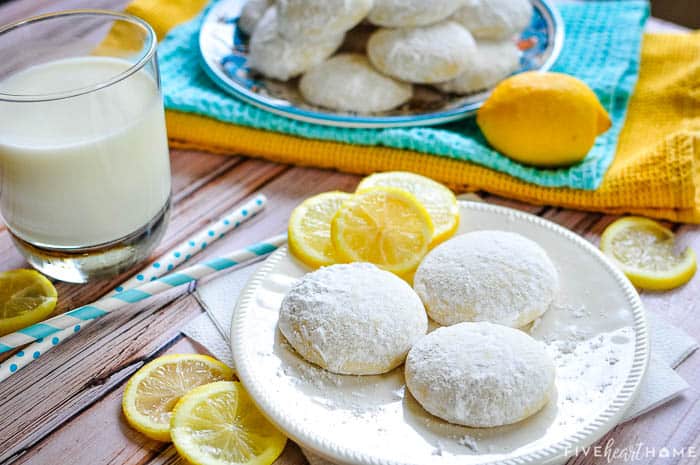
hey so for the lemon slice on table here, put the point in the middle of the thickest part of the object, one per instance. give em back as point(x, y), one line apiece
point(437, 199)
point(218, 424)
point(385, 226)
point(646, 253)
point(26, 297)
point(153, 391)
point(309, 229)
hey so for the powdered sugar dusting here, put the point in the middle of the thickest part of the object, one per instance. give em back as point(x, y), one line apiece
point(352, 319)
point(409, 13)
point(480, 374)
point(494, 19)
point(427, 54)
point(493, 276)
point(348, 82)
point(313, 19)
point(279, 58)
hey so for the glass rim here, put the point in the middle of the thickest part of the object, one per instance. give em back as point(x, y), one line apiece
point(145, 57)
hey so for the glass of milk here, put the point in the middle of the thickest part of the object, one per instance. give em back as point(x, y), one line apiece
point(84, 161)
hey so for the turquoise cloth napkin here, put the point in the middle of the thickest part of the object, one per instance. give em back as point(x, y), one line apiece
point(602, 47)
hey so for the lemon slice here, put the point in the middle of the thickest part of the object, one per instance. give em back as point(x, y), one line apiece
point(437, 199)
point(385, 226)
point(26, 297)
point(153, 391)
point(309, 229)
point(645, 251)
point(218, 424)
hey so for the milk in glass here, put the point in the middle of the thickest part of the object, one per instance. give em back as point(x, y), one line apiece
point(85, 170)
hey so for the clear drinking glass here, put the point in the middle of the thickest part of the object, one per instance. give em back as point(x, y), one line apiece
point(84, 161)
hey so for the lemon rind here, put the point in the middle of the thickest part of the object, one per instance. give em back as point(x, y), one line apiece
point(407, 267)
point(312, 260)
point(439, 234)
point(38, 313)
point(202, 392)
point(142, 423)
point(651, 280)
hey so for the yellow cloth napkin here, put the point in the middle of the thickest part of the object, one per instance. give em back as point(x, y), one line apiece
point(656, 171)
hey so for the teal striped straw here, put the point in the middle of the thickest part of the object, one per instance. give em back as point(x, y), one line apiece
point(82, 315)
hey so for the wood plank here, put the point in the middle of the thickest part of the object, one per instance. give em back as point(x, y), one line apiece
point(284, 192)
point(509, 203)
point(192, 170)
point(84, 369)
point(102, 423)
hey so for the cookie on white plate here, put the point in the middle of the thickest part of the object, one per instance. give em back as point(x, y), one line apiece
point(279, 58)
point(252, 13)
point(319, 18)
point(425, 55)
point(348, 82)
point(495, 276)
point(410, 13)
point(480, 374)
point(494, 19)
point(352, 319)
point(495, 61)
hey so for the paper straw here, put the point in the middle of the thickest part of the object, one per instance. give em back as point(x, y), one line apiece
point(196, 243)
point(51, 332)
point(163, 265)
point(35, 350)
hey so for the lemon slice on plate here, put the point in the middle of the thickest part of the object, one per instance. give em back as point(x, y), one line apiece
point(385, 226)
point(26, 297)
point(153, 391)
point(309, 229)
point(437, 199)
point(218, 424)
point(646, 252)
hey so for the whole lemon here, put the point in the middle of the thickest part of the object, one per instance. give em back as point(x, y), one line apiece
point(543, 119)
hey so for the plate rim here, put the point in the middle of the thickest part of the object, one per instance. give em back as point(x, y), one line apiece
point(552, 16)
point(584, 437)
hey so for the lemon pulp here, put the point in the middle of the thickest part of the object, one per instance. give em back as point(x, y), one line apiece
point(218, 424)
point(438, 200)
point(646, 252)
point(26, 297)
point(153, 391)
point(309, 230)
point(385, 226)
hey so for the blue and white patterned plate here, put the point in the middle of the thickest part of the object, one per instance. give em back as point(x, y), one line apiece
point(224, 52)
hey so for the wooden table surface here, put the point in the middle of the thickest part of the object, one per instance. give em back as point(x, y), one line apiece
point(65, 408)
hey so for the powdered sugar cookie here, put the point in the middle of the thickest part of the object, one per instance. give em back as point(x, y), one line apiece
point(480, 374)
point(494, 61)
point(318, 18)
point(280, 58)
point(411, 13)
point(352, 319)
point(251, 14)
point(348, 82)
point(495, 276)
point(428, 54)
point(494, 19)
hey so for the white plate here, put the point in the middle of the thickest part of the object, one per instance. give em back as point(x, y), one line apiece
point(596, 332)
